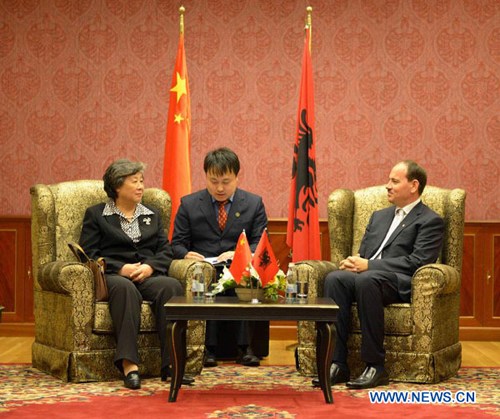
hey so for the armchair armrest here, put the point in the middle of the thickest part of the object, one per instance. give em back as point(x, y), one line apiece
point(65, 313)
point(315, 271)
point(67, 278)
point(435, 307)
point(183, 270)
point(435, 279)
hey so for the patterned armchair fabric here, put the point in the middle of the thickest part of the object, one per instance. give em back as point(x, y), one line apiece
point(421, 338)
point(73, 334)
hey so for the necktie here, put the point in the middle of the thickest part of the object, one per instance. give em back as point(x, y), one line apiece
point(398, 217)
point(222, 214)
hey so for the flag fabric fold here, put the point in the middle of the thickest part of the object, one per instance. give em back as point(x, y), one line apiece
point(303, 215)
point(241, 259)
point(264, 261)
point(176, 162)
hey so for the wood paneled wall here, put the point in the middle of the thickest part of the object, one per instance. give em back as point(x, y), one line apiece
point(480, 292)
point(16, 282)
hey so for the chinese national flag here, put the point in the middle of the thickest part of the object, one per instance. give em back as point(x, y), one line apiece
point(303, 215)
point(176, 163)
point(264, 261)
point(241, 259)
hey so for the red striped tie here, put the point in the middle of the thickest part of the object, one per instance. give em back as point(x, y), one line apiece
point(222, 214)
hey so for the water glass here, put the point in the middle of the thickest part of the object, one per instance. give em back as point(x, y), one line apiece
point(302, 290)
point(198, 285)
point(291, 292)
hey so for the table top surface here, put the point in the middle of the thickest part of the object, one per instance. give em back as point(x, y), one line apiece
point(230, 308)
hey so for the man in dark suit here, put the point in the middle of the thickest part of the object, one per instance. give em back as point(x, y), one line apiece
point(398, 240)
point(209, 223)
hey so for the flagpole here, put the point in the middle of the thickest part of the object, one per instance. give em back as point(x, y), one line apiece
point(309, 10)
point(181, 19)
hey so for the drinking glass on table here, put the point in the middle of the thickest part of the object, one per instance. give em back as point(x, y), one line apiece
point(302, 286)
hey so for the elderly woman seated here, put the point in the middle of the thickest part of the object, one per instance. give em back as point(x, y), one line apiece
point(131, 239)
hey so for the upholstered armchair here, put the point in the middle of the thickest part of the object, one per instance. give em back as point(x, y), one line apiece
point(73, 333)
point(421, 338)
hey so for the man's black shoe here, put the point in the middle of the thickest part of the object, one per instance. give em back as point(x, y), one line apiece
point(247, 358)
point(186, 380)
point(369, 378)
point(337, 375)
point(132, 380)
point(209, 360)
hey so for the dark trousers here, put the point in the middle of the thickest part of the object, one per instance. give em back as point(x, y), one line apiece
point(242, 328)
point(125, 299)
point(371, 290)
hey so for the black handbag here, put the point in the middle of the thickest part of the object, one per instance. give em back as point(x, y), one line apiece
point(98, 267)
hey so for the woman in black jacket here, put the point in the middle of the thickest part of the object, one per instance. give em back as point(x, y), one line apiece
point(131, 238)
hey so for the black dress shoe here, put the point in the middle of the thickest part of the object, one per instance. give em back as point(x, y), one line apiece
point(186, 380)
point(369, 378)
point(247, 358)
point(337, 375)
point(132, 380)
point(209, 360)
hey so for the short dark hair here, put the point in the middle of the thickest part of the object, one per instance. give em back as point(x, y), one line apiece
point(221, 161)
point(415, 171)
point(115, 175)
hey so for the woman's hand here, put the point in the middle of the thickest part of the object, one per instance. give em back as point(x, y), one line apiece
point(137, 272)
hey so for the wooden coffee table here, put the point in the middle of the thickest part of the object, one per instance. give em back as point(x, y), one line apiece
point(179, 310)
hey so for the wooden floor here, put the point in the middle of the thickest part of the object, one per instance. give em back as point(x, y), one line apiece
point(281, 352)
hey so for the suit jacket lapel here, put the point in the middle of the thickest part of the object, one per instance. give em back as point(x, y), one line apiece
point(382, 228)
point(234, 212)
point(409, 219)
point(207, 208)
point(146, 225)
point(114, 220)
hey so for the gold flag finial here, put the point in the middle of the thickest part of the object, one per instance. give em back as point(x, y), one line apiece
point(309, 10)
point(181, 20)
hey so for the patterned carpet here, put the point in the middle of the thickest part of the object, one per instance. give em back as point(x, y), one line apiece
point(22, 386)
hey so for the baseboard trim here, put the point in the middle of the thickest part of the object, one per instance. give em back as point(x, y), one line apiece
point(282, 332)
point(17, 329)
point(479, 333)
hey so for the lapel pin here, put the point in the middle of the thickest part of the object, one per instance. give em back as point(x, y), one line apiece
point(147, 221)
point(237, 214)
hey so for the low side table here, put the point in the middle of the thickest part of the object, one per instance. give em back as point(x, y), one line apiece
point(179, 310)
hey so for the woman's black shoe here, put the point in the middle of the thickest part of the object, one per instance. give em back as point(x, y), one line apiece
point(132, 380)
point(186, 380)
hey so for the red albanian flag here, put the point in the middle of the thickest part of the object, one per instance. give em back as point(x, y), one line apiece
point(264, 261)
point(303, 215)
